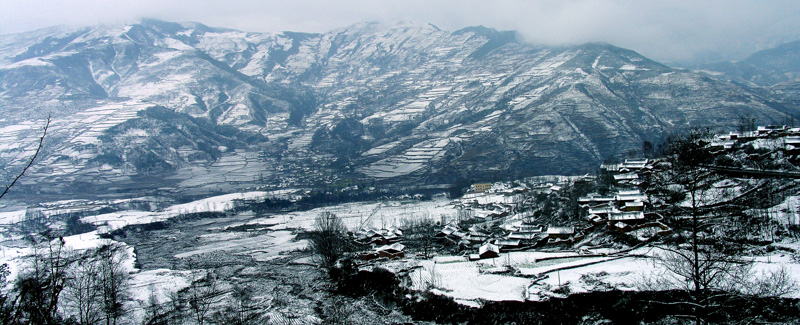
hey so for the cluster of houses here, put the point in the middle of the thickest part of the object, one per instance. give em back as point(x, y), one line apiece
point(790, 138)
point(624, 211)
point(524, 236)
point(386, 242)
point(631, 171)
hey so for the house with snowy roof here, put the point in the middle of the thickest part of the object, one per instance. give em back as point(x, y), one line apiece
point(560, 232)
point(488, 251)
point(393, 251)
point(507, 243)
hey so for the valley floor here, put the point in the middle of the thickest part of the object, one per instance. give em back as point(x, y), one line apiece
point(171, 248)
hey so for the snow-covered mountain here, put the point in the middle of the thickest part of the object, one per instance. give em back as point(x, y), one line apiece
point(777, 69)
point(766, 68)
point(160, 106)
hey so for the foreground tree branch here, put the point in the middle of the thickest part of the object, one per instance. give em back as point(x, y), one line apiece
point(30, 162)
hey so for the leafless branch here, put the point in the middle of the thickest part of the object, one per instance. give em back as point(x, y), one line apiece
point(30, 162)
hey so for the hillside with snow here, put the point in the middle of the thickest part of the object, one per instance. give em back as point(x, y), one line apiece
point(160, 107)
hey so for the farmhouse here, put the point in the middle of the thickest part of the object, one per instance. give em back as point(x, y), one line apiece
point(560, 232)
point(379, 237)
point(603, 210)
point(629, 165)
point(508, 243)
point(488, 250)
point(630, 196)
point(628, 178)
point(481, 187)
point(446, 231)
point(633, 206)
point(393, 251)
point(595, 199)
point(627, 217)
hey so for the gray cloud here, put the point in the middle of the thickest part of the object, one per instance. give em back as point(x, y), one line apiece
point(679, 30)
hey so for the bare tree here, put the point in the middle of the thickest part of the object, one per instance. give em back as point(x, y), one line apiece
point(97, 285)
point(30, 161)
point(687, 187)
point(240, 310)
point(176, 308)
point(7, 299)
point(420, 233)
point(155, 312)
point(202, 293)
point(82, 292)
point(329, 240)
point(114, 281)
point(39, 289)
point(699, 204)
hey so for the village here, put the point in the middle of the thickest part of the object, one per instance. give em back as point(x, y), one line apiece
point(501, 246)
point(537, 239)
point(496, 218)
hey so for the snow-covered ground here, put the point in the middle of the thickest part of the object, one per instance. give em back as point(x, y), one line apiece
point(385, 214)
point(529, 275)
point(538, 276)
point(161, 282)
point(277, 240)
point(116, 220)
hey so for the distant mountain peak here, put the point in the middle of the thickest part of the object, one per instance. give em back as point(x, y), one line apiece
point(402, 103)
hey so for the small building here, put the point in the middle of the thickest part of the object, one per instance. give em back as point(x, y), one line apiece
point(508, 243)
point(634, 164)
point(626, 177)
point(366, 256)
point(652, 229)
point(477, 237)
point(378, 237)
point(531, 228)
point(393, 251)
point(610, 167)
point(595, 199)
point(634, 217)
point(525, 237)
point(496, 216)
point(446, 231)
point(630, 197)
point(604, 210)
point(481, 187)
point(621, 226)
point(459, 235)
point(596, 219)
point(633, 206)
point(488, 251)
point(629, 192)
point(772, 129)
point(560, 232)
point(792, 144)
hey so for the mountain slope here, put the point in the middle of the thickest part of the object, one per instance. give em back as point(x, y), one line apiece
point(764, 68)
point(397, 104)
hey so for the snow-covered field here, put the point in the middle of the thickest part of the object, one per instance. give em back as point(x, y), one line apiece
point(274, 240)
point(518, 276)
point(470, 282)
point(222, 203)
point(160, 283)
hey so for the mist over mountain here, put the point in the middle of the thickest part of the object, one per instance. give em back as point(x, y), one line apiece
point(776, 69)
point(183, 107)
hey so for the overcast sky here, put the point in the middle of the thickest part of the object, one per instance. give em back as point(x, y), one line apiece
point(678, 30)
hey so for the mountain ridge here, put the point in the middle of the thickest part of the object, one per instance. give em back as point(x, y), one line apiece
point(388, 103)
